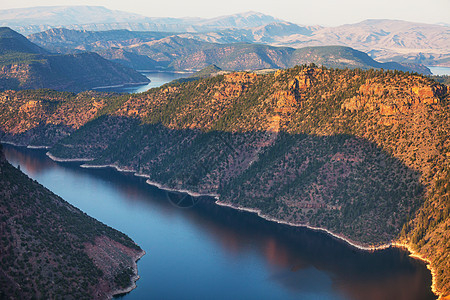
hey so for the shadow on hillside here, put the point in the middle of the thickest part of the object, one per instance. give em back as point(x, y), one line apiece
point(341, 182)
point(295, 255)
point(41, 135)
point(9, 83)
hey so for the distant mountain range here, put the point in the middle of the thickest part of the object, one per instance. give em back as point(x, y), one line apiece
point(153, 50)
point(384, 40)
point(24, 65)
point(65, 15)
point(35, 19)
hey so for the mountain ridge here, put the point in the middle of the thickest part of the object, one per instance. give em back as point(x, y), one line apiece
point(25, 65)
point(65, 15)
point(181, 53)
point(34, 19)
point(384, 39)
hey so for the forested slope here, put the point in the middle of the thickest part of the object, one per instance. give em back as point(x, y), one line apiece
point(24, 65)
point(364, 154)
point(50, 249)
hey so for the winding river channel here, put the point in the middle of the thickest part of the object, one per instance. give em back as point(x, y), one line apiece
point(212, 252)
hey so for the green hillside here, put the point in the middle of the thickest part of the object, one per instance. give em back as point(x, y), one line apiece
point(13, 42)
point(341, 57)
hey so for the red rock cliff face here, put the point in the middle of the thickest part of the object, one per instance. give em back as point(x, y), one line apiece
point(29, 113)
point(110, 256)
point(391, 100)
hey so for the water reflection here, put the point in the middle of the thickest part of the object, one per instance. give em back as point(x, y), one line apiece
point(297, 253)
point(232, 248)
point(440, 70)
point(156, 79)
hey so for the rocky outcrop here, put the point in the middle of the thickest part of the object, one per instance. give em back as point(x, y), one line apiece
point(110, 256)
point(392, 100)
point(286, 101)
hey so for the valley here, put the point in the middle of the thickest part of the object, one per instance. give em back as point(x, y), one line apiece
point(250, 156)
point(153, 50)
point(217, 247)
point(338, 158)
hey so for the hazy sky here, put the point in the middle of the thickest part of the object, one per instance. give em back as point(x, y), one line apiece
point(309, 12)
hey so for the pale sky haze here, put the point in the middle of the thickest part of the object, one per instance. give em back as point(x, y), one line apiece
point(307, 12)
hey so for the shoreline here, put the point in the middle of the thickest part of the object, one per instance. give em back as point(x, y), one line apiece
point(398, 244)
point(106, 166)
point(335, 235)
point(165, 188)
point(167, 71)
point(134, 278)
point(38, 147)
point(119, 85)
point(148, 181)
point(26, 146)
point(12, 144)
point(416, 255)
point(57, 159)
point(258, 212)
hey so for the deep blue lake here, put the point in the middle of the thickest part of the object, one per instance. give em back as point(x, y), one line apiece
point(160, 78)
point(212, 252)
point(440, 70)
point(156, 79)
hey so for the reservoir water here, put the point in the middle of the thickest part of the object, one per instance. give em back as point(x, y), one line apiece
point(156, 79)
point(160, 78)
point(212, 252)
point(440, 70)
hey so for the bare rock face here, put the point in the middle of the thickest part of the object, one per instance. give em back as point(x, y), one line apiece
point(393, 99)
point(110, 256)
point(286, 101)
point(236, 83)
point(429, 94)
point(304, 79)
point(31, 112)
point(241, 77)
